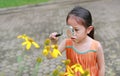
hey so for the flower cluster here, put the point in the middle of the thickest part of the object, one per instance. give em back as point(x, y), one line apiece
point(52, 51)
point(72, 70)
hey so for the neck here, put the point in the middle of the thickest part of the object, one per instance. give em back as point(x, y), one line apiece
point(85, 40)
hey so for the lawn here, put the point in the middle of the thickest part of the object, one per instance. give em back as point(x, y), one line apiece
point(15, 3)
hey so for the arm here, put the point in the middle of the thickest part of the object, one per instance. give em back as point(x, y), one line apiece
point(54, 40)
point(62, 46)
point(100, 60)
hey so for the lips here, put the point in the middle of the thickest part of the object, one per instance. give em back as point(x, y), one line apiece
point(73, 37)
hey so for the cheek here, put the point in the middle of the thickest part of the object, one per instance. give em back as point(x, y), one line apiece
point(82, 34)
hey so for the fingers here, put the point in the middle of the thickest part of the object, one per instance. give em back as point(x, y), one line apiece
point(53, 36)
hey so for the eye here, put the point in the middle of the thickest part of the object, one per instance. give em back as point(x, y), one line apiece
point(76, 29)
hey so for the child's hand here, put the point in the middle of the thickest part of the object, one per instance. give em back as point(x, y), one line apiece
point(53, 37)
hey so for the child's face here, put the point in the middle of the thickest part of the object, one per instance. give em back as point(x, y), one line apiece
point(79, 31)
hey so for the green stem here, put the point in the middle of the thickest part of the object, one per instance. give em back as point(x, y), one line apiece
point(2, 73)
point(36, 69)
point(19, 60)
point(21, 68)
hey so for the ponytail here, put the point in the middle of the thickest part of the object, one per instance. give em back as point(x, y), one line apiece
point(91, 34)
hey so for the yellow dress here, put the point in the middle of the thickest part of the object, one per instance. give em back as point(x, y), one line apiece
point(88, 59)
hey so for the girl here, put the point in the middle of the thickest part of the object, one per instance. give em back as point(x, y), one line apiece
point(81, 47)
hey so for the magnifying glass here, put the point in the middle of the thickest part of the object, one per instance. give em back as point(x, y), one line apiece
point(70, 31)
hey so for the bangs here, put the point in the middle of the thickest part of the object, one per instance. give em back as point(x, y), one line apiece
point(78, 20)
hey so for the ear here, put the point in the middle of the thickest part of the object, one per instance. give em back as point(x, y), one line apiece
point(89, 29)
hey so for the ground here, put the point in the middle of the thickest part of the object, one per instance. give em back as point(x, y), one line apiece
point(38, 21)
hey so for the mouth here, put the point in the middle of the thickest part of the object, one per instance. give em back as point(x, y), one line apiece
point(73, 38)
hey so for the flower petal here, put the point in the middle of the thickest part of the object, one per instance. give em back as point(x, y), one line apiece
point(58, 52)
point(45, 52)
point(35, 44)
point(28, 46)
point(24, 43)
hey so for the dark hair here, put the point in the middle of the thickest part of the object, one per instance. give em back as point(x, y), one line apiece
point(83, 14)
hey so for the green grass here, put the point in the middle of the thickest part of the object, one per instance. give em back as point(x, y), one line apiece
point(15, 3)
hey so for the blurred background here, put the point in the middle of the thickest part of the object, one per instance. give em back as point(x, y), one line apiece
point(38, 19)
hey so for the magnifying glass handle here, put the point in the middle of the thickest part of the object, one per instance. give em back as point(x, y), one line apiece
point(57, 35)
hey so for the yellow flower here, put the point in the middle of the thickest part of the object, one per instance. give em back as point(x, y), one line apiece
point(69, 72)
point(54, 46)
point(86, 73)
point(39, 59)
point(66, 62)
point(62, 74)
point(46, 50)
point(55, 72)
point(78, 67)
point(28, 41)
point(24, 36)
point(55, 53)
point(47, 42)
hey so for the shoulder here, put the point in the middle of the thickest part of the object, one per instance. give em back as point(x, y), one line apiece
point(68, 42)
point(96, 44)
point(65, 40)
point(99, 47)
